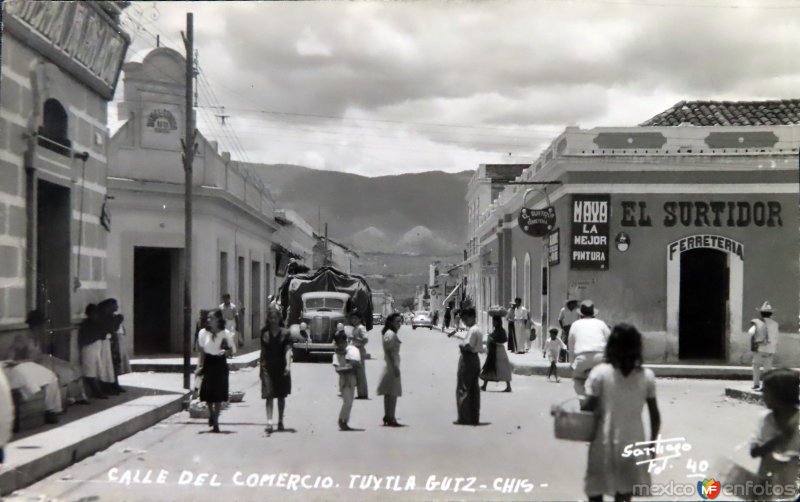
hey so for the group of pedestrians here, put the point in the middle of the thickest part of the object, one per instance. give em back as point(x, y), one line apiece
point(101, 338)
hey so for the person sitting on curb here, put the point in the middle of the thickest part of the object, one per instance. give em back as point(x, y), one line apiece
point(587, 344)
point(763, 340)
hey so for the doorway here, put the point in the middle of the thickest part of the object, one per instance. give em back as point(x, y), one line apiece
point(703, 304)
point(53, 253)
point(155, 304)
point(255, 298)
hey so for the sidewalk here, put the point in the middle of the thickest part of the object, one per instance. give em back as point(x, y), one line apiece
point(32, 457)
point(174, 364)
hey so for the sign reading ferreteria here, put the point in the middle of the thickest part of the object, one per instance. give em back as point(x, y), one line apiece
point(590, 228)
point(717, 213)
point(78, 36)
point(706, 241)
point(537, 222)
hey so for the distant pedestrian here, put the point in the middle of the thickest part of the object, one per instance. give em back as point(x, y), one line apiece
point(447, 318)
point(457, 320)
point(553, 349)
point(435, 319)
point(468, 391)
point(390, 386)
point(360, 341)
point(497, 367)
point(108, 355)
point(215, 346)
point(587, 343)
point(90, 342)
point(275, 364)
point(763, 340)
point(512, 337)
point(345, 361)
point(522, 326)
point(569, 314)
point(777, 440)
point(230, 313)
point(617, 391)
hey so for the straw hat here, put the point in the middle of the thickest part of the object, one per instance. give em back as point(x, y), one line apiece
point(765, 307)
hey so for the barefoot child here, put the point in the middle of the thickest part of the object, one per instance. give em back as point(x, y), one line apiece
point(616, 391)
point(345, 361)
point(777, 440)
point(553, 349)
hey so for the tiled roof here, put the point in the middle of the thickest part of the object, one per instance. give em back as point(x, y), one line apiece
point(729, 113)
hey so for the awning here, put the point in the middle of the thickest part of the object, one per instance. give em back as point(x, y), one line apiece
point(451, 293)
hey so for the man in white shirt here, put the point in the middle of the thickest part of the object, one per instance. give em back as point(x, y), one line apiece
point(569, 314)
point(764, 338)
point(230, 313)
point(468, 389)
point(587, 344)
point(522, 330)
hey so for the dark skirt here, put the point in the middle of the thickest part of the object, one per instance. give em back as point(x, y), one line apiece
point(512, 341)
point(214, 388)
point(274, 383)
point(468, 390)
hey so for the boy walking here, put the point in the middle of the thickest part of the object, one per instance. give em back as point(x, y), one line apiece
point(345, 361)
point(553, 349)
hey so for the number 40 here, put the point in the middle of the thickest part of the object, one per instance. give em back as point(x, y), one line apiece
point(696, 467)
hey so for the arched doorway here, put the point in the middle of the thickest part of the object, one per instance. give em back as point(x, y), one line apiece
point(704, 295)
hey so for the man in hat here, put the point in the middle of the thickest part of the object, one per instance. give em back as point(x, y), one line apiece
point(359, 339)
point(587, 344)
point(764, 337)
point(231, 315)
point(569, 314)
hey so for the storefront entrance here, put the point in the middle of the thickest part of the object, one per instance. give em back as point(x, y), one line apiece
point(704, 292)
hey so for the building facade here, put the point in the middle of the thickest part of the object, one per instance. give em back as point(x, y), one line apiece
point(681, 226)
point(233, 216)
point(294, 240)
point(61, 61)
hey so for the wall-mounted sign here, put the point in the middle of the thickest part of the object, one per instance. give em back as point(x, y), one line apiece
point(703, 213)
point(537, 222)
point(623, 241)
point(706, 241)
point(590, 226)
point(78, 36)
point(162, 121)
point(553, 248)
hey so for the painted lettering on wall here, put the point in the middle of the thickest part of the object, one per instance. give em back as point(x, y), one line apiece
point(706, 241)
point(590, 227)
point(705, 214)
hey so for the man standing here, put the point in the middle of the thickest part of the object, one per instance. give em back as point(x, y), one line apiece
point(587, 343)
point(359, 339)
point(468, 390)
point(568, 315)
point(230, 313)
point(521, 326)
point(764, 337)
point(512, 339)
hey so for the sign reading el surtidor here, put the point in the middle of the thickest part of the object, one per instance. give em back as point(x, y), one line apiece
point(590, 228)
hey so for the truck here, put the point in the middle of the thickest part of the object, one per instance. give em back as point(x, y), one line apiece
point(382, 306)
point(321, 299)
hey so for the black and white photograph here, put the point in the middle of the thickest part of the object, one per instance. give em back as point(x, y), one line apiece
point(420, 250)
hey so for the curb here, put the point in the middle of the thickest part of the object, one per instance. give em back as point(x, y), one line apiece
point(178, 367)
point(30, 472)
point(661, 371)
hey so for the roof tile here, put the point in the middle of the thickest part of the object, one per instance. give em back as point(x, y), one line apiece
point(729, 113)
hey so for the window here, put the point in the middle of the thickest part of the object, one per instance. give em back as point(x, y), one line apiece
point(53, 131)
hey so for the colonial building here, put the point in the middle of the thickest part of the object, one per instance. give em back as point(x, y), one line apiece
point(61, 61)
point(233, 214)
point(294, 240)
point(681, 226)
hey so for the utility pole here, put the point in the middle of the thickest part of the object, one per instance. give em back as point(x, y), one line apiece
point(326, 261)
point(188, 143)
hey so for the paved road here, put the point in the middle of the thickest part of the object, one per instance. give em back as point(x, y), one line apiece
point(513, 457)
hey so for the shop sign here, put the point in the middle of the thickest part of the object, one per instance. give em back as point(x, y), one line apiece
point(537, 222)
point(553, 244)
point(704, 213)
point(590, 229)
point(78, 36)
point(706, 241)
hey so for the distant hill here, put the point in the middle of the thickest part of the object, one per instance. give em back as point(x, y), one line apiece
point(413, 213)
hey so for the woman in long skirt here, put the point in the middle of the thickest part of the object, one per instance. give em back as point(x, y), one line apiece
point(90, 341)
point(390, 386)
point(468, 391)
point(275, 364)
point(497, 367)
point(215, 348)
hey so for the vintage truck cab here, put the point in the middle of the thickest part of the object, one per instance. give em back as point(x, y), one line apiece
point(321, 311)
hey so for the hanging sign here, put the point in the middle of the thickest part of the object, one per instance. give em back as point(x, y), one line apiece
point(590, 226)
point(537, 222)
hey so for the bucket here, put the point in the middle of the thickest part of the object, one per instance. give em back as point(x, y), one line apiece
point(573, 425)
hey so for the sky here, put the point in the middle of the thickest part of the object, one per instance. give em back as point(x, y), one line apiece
point(382, 88)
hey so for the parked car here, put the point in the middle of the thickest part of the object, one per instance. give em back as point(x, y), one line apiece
point(377, 318)
point(322, 310)
point(422, 318)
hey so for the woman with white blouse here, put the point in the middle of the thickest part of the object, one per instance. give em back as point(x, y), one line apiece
point(215, 346)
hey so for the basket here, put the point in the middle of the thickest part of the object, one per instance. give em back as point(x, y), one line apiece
point(573, 425)
point(236, 396)
point(497, 311)
point(198, 409)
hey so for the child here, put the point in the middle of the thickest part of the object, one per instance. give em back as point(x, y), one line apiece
point(345, 361)
point(553, 348)
point(616, 391)
point(777, 440)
